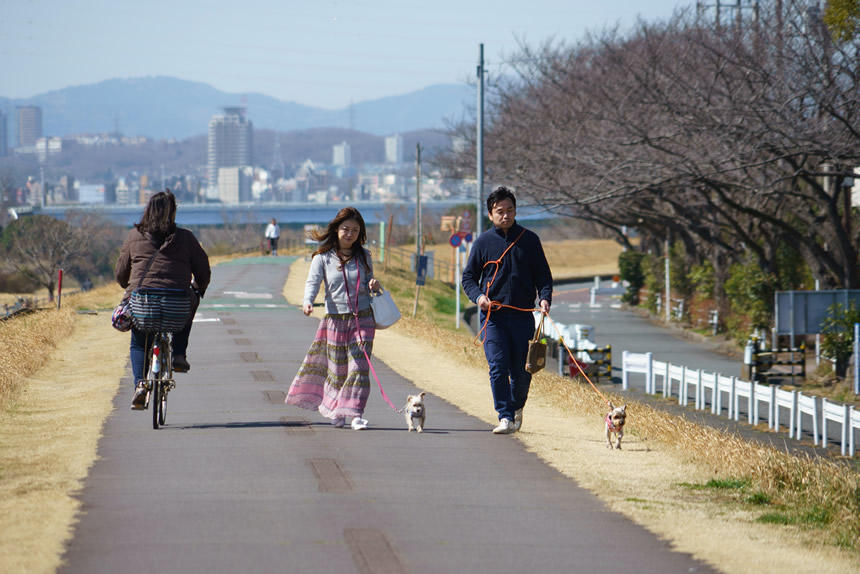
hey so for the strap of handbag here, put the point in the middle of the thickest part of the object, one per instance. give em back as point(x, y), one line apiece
point(540, 328)
point(148, 265)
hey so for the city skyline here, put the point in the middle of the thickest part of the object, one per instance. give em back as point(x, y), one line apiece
point(328, 54)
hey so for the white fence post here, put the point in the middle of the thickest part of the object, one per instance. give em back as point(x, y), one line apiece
point(733, 400)
point(771, 409)
point(650, 383)
point(854, 422)
point(625, 384)
point(754, 397)
point(700, 393)
point(682, 392)
point(667, 384)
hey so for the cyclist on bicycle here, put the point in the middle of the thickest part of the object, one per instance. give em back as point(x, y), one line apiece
point(159, 255)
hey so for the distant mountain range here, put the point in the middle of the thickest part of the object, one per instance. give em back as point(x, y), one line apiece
point(163, 107)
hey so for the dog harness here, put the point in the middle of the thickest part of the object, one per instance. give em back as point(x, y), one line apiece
point(610, 426)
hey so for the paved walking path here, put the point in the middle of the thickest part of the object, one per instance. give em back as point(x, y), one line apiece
point(238, 481)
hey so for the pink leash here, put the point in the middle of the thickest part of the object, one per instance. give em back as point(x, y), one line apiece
point(358, 328)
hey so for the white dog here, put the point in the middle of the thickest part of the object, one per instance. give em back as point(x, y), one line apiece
point(414, 411)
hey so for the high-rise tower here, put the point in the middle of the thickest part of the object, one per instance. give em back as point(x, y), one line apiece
point(230, 139)
point(29, 125)
point(394, 149)
point(4, 135)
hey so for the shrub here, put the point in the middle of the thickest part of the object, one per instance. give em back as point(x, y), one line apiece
point(749, 290)
point(630, 267)
point(837, 335)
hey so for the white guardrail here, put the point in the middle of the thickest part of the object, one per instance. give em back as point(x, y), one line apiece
point(763, 402)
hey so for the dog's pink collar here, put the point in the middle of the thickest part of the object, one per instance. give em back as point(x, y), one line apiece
point(609, 425)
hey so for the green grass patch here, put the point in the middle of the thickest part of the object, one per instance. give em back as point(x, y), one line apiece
point(727, 484)
point(817, 516)
point(717, 484)
point(758, 498)
point(775, 518)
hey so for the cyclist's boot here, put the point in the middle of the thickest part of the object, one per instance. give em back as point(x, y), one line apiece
point(138, 402)
point(180, 364)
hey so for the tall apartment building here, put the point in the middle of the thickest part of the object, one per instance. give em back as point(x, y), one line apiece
point(230, 138)
point(341, 154)
point(4, 135)
point(394, 149)
point(29, 125)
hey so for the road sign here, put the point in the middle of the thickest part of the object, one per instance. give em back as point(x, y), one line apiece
point(466, 222)
point(455, 240)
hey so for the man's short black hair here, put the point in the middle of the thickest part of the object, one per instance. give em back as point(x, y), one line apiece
point(499, 194)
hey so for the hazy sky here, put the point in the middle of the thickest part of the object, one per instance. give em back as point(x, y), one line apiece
point(325, 53)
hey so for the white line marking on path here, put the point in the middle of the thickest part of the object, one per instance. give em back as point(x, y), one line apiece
point(246, 295)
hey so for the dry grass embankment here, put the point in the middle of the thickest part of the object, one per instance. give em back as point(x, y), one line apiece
point(27, 341)
point(567, 258)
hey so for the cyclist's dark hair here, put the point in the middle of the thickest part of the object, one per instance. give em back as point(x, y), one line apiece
point(328, 237)
point(159, 216)
point(499, 194)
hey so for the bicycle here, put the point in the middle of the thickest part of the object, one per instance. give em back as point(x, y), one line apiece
point(159, 375)
point(159, 313)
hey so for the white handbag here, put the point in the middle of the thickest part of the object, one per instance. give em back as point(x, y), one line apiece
point(385, 311)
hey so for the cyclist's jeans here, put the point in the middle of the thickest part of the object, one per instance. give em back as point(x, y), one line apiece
point(138, 346)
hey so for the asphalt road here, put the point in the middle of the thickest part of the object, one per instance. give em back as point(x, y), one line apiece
point(238, 481)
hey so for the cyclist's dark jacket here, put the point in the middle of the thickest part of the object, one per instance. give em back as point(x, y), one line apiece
point(524, 272)
point(179, 256)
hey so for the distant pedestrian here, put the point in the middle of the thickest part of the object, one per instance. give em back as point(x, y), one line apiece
point(334, 377)
point(507, 268)
point(273, 233)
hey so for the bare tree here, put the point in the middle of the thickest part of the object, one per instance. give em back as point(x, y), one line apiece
point(38, 246)
point(730, 139)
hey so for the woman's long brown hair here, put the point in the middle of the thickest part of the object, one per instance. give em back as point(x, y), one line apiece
point(328, 237)
point(159, 216)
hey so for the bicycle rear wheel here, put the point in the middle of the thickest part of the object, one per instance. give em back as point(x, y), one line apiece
point(166, 377)
point(155, 400)
point(162, 404)
point(156, 375)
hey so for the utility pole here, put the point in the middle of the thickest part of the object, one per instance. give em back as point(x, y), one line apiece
point(668, 301)
point(480, 142)
point(417, 200)
point(417, 225)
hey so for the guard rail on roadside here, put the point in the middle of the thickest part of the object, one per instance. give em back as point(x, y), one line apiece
point(709, 389)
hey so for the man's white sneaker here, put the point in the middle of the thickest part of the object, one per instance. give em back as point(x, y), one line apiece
point(505, 427)
point(358, 423)
point(518, 419)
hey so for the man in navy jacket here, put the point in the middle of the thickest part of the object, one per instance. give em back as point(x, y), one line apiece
point(518, 279)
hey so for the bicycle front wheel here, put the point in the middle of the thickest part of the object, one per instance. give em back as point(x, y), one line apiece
point(155, 400)
point(162, 404)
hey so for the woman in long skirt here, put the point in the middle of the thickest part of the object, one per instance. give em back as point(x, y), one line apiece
point(334, 376)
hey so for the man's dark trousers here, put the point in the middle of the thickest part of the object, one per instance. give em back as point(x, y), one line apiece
point(506, 347)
